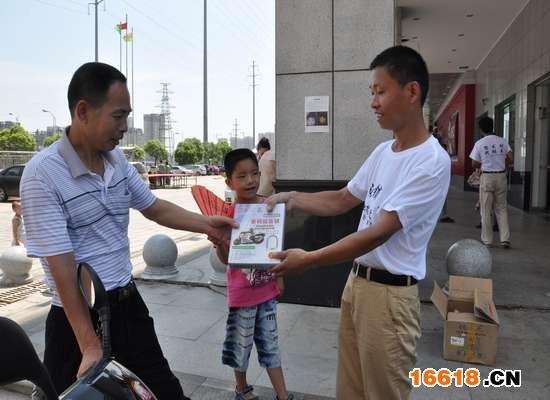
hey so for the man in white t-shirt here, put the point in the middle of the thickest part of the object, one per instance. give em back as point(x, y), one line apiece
point(266, 164)
point(492, 154)
point(403, 185)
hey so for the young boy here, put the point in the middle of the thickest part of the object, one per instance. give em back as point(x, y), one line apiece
point(251, 295)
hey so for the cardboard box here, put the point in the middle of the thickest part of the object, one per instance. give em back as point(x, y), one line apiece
point(470, 320)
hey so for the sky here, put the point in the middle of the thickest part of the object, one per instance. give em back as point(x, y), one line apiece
point(42, 43)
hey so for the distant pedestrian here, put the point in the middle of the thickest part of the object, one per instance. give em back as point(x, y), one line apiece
point(17, 225)
point(267, 167)
point(492, 154)
point(444, 217)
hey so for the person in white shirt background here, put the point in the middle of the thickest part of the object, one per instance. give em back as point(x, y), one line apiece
point(492, 154)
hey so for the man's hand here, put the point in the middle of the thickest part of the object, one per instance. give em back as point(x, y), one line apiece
point(91, 356)
point(283, 197)
point(219, 229)
point(293, 261)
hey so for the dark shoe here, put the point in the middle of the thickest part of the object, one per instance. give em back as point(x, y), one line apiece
point(289, 397)
point(246, 394)
point(446, 219)
point(505, 245)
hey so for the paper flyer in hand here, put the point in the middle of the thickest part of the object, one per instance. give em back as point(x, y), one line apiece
point(260, 232)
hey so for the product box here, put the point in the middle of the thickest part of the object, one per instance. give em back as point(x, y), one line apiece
point(471, 322)
point(260, 232)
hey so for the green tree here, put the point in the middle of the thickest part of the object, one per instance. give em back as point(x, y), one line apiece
point(139, 153)
point(211, 153)
point(156, 150)
point(16, 138)
point(189, 151)
point(223, 148)
point(50, 139)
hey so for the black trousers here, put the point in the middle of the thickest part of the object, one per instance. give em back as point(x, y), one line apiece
point(134, 344)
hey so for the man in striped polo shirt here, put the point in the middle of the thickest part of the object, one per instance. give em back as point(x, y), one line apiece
point(76, 197)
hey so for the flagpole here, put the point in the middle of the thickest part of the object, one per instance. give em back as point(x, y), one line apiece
point(133, 99)
point(120, 47)
point(126, 47)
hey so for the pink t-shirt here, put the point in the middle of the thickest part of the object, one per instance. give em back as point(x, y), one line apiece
point(249, 287)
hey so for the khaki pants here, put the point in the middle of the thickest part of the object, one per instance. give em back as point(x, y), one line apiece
point(492, 197)
point(379, 328)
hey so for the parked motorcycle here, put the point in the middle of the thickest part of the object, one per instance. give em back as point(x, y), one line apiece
point(106, 380)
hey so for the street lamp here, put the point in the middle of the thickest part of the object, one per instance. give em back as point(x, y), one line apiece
point(16, 117)
point(53, 117)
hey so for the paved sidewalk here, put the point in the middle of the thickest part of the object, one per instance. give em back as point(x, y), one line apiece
point(190, 316)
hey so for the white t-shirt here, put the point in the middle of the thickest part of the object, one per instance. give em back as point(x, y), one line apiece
point(413, 183)
point(491, 152)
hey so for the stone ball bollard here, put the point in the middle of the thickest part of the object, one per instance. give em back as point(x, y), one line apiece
point(15, 266)
point(469, 257)
point(160, 254)
point(219, 276)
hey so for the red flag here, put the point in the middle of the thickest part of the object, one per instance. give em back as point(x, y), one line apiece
point(123, 25)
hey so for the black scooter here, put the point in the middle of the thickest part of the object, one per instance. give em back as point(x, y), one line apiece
point(106, 380)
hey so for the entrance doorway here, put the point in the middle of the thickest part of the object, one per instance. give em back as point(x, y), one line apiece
point(541, 147)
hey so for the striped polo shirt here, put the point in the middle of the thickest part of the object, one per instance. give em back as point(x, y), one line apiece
point(68, 208)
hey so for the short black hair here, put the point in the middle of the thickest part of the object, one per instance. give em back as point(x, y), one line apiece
point(234, 157)
point(485, 124)
point(404, 65)
point(91, 82)
point(263, 144)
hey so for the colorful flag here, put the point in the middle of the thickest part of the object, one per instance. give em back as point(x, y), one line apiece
point(129, 37)
point(122, 26)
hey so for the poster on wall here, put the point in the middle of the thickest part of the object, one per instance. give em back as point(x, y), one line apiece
point(452, 132)
point(316, 114)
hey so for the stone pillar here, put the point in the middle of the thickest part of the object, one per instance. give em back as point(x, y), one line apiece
point(160, 253)
point(324, 48)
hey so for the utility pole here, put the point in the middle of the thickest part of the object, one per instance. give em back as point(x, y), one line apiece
point(254, 75)
point(236, 129)
point(95, 4)
point(205, 81)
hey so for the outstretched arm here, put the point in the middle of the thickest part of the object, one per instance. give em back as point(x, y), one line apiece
point(173, 216)
point(348, 248)
point(324, 204)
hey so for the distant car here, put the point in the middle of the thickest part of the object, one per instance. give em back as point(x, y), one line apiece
point(197, 169)
point(142, 171)
point(213, 169)
point(221, 168)
point(9, 181)
point(178, 169)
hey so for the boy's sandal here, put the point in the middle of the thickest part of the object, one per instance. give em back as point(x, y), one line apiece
point(246, 394)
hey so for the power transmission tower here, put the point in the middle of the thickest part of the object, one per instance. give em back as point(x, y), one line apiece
point(235, 130)
point(254, 84)
point(166, 135)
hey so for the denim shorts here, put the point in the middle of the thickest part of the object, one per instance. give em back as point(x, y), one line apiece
point(248, 325)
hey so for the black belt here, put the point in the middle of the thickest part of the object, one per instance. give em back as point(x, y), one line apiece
point(493, 172)
point(122, 293)
point(382, 276)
